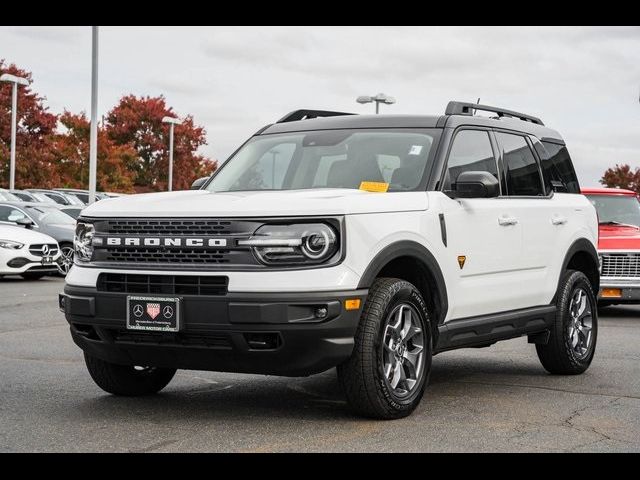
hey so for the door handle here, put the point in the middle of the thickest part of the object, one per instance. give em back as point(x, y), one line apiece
point(506, 221)
point(558, 220)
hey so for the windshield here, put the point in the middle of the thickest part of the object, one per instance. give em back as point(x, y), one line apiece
point(41, 197)
point(329, 159)
point(8, 196)
point(616, 209)
point(50, 215)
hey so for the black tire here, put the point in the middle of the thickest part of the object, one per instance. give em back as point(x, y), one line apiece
point(33, 276)
point(128, 381)
point(559, 356)
point(368, 390)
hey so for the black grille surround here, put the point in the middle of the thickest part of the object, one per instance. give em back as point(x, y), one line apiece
point(163, 284)
point(218, 249)
point(180, 257)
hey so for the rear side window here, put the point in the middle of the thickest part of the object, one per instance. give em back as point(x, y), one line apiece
point(521, 168)
point(558, 167)
point(471, 152)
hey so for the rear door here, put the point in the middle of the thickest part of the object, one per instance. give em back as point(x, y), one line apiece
point(539, 212)
point(484, 239)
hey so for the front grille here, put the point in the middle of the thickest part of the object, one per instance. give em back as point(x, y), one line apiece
point(180, 256)
point(163, 284)
point(171, 227)
point(622, 265)
point(36, 249)
point(156, 255)
point(208, 339)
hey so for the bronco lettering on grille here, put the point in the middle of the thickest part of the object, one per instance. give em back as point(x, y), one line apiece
point(166, 242)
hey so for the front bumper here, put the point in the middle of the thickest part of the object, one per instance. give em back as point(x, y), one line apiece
point(629, 290)
point(265, 333)
point(16, 262)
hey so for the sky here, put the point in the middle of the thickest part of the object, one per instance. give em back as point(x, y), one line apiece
point(582, 81)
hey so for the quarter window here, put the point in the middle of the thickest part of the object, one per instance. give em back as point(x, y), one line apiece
point(556, 163)
point(521, 169)
point(471, 152)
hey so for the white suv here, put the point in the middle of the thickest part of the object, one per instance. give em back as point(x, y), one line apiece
point(367, 243)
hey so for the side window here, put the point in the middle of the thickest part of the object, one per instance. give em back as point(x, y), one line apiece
point(557, 166)
point(10, 214)
point(521, 168)
point(471, 152)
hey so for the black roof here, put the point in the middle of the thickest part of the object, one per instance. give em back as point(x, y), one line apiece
point(458, 114)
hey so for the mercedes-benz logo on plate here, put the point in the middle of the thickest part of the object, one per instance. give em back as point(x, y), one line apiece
point(167, 312)
point(138, 310)
point(45, 250)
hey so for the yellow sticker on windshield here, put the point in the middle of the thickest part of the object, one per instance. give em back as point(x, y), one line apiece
point(380, 187)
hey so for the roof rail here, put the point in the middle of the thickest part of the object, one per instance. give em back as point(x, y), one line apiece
point(463, 108)
point(309, 114)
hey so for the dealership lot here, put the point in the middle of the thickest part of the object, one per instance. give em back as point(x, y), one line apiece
point(492, 399)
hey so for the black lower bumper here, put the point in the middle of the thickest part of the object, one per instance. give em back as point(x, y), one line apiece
point(266, 333)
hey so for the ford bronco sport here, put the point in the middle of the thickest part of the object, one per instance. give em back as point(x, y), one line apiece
point(366, 243)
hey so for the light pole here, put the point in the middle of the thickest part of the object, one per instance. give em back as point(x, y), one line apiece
point(93, 132)
point(378, 99)
point(14, 120)
point(172, 123)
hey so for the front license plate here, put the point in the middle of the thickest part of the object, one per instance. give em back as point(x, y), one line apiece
point(160, 314)
point(47, 260)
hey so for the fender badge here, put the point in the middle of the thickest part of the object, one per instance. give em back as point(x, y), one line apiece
point(461, 260)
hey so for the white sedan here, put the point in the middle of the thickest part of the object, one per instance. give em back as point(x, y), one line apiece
point(27, 253)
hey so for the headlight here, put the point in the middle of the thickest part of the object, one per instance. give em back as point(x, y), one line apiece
point(303, 243)
point(82, 241)
point(11, 245)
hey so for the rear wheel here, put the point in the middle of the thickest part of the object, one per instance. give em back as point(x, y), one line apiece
point(128, 381)
point(387, 373)
point(572, 340)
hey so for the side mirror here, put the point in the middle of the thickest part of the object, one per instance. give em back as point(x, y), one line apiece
point(197, 185)
point(24, 222)
point(475, 185)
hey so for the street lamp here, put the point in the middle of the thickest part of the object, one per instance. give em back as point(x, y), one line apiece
point(378, 99)
point(7, 77)
point(172, 123)
point(93, 128)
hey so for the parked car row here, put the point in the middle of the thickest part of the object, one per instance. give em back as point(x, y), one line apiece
point(37, 229)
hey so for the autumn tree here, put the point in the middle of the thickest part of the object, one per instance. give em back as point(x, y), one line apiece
point(137, 121)
point(35, 160)
point(116, 163)
point(621, 176)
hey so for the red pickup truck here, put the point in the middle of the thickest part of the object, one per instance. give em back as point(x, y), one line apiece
point(618, 245)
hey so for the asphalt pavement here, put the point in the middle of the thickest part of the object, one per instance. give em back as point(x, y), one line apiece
point(480, 400)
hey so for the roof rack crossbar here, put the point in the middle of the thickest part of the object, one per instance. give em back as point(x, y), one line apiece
point(464, 108)
point(309, 114)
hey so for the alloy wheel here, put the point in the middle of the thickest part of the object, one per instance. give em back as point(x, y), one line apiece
point(579, 330)
point(403, 350)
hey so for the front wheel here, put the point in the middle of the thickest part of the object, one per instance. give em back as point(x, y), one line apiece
point(128, 381)
point(572, 340)
point(387, 373)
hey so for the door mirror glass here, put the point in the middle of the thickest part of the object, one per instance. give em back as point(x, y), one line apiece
point(475, 185)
